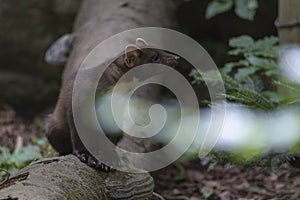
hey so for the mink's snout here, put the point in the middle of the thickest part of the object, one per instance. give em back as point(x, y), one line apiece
point(172, 61)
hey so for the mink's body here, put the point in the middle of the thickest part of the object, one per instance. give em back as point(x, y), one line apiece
point(60, 127)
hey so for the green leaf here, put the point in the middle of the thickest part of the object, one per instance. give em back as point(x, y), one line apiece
point(11, 162)
point(273, 96)
point(266, 53)
point(244, 41)
point(266, 47)
point(244, 73)
point(26, 155)
point(291, 100)
point(13, 170)
point(181, 175)
point(271, 73)
point(4, 154)
point(255, 67)
point(217, 7)
point(252, 4)
point(262, 63)
point(207, 193)
point(236, 52)
point(229, 66)
point(267, 42)
point(246, 9)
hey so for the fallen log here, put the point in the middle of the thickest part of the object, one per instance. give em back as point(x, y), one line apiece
point(68, 178)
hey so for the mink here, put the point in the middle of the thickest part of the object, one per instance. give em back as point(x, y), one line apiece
point(60, 128)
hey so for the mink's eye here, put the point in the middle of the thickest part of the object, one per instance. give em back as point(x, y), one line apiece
point(155, 59)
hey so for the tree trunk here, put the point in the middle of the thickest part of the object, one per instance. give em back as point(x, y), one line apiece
point(289, 32)
point(288, 21)
point(68, 178)
point(100, 19)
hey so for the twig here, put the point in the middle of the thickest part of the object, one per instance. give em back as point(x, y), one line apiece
point(19, 143)
point(158, 196)
point(6, 177)
point(177, 197)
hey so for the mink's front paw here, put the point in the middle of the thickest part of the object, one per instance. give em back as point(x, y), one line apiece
point(91, 161)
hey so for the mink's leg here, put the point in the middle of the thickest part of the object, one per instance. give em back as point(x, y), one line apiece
point(81, 152)
point(58, 135)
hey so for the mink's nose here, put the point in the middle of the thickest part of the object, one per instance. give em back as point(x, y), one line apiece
point(172, 61)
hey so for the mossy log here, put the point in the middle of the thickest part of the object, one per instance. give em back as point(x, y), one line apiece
point(67, 178)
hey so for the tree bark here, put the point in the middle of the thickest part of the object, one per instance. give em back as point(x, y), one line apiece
point(68, 178)
point(100, 19)
point(289, 15)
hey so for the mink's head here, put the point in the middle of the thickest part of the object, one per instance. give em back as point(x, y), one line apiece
point(142, 53)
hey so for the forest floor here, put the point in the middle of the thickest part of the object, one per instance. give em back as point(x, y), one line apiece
point(219, 182)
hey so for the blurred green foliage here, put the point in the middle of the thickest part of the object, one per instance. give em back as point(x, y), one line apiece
point(11, 162)
point(250, 79)
point(245, 9)
point(259, 58)
point(254, 79)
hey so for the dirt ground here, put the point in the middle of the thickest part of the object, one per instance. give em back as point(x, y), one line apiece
point(12, 126)
point(218, 183)
point(228, 183)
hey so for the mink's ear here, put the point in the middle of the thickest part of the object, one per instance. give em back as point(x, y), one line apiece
point(140, 42)
point(132, 53)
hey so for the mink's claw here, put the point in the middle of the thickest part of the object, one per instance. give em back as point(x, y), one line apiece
point(92, 162)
